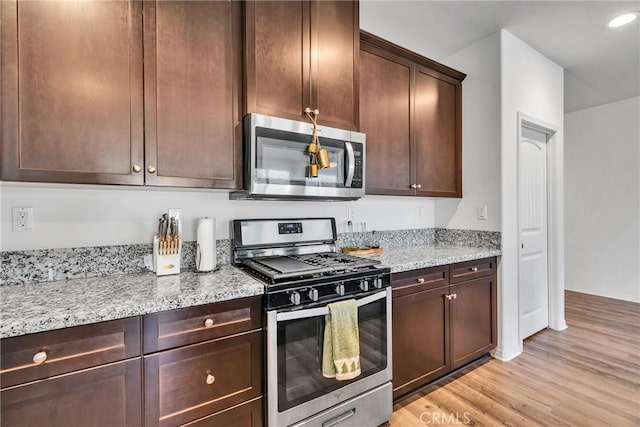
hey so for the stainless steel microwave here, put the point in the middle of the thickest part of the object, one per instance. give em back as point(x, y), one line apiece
point(276, 162)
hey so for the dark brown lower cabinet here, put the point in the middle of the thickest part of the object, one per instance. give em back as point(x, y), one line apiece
point(191, 382)
point(439, 327)
point(473, 320)
point(248, 414)
point(109, 395)
point(420, 350)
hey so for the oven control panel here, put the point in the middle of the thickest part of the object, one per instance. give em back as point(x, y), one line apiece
point(327, 291)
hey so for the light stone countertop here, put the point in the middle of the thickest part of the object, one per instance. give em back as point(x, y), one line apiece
point(38, 307)
point(416, 257)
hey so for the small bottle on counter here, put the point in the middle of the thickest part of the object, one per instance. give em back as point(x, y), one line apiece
point(351, 240)
point(364, 241)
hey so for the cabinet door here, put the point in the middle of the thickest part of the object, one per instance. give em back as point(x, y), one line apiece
point(193, 55)
point(335, 46)
point(438, 135)
point(473, 320)
point(109, 395)
point(192, 382)
point(385, 115)
point(420, 339)
point(277, 58)
point(72, 91)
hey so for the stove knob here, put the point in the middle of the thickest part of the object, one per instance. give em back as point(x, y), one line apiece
point(364, 285)
point(295, 298)
point(340, 289)
point(313, 294)
point(378, 283)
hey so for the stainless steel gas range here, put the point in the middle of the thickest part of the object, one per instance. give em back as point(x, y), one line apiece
point(297, 260)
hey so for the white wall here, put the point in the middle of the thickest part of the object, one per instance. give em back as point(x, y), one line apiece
point(90, 215)
point(531, 84)
point(602, 200)
point(480, 139)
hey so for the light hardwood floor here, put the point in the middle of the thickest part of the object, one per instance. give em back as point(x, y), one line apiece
point(586, 375)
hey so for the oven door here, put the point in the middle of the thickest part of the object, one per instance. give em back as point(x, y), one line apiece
point(296, 387)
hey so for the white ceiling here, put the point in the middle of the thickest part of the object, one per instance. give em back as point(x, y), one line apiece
point(601, 65)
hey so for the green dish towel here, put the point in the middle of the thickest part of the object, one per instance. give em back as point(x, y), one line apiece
point(341, 353)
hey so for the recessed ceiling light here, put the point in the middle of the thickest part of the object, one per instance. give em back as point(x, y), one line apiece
point(621, 20)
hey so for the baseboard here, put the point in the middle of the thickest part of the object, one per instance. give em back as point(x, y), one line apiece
point(603, 293)
point(506, 355)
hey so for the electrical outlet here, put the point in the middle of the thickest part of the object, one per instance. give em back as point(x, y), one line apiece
point(22, 219)
point(175, 213)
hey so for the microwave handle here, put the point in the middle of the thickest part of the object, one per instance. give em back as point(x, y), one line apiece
point(351, 164)
point(322, 311)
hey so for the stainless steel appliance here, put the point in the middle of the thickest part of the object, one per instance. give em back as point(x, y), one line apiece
point(276, 161)
point(297, 260)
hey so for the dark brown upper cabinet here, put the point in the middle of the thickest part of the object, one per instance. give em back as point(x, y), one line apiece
point(73, 107)
point(301, 54)
point(411, 111)
point(192, 75)
point(72, 102)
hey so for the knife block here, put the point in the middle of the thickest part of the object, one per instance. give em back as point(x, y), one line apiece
point(165, 264)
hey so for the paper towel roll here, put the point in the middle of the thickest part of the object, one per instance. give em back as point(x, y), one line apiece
point(206, 244)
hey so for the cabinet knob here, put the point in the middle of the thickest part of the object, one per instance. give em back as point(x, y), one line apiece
point(418, 186)
point(208, 323)
point(448, 297)
point(136, 168)
point(151, 169)
point(420, 280)
point(40, 357)
point(454, 296)
point(413, 186)
point(210, 379)
point(474, 269)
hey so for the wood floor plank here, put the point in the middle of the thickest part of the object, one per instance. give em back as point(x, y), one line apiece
point(587, 375)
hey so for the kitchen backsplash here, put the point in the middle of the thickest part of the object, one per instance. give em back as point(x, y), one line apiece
point(46, 265)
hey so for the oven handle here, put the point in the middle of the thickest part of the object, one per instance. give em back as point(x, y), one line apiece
point(322, 311)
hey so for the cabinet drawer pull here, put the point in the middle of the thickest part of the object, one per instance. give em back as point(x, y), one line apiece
point(210, 379)
point(40, 357)
point(421, 280)
point(208, 323)
point(474, 269)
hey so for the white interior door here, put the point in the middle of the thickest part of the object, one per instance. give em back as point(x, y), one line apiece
point(532, 214)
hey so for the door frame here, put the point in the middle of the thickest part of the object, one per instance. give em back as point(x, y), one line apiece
point(555, 223)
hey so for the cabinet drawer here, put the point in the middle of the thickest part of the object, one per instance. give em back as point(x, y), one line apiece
point(248, 414)
point(189, 383)
point(419, 280)
point(36, 356)
point(169, 329)
point(463, 271)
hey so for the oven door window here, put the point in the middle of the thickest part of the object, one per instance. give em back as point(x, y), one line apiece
point(281, 158)
point(300, 343)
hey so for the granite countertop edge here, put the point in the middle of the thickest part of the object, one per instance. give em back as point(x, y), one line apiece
point(41, 307)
